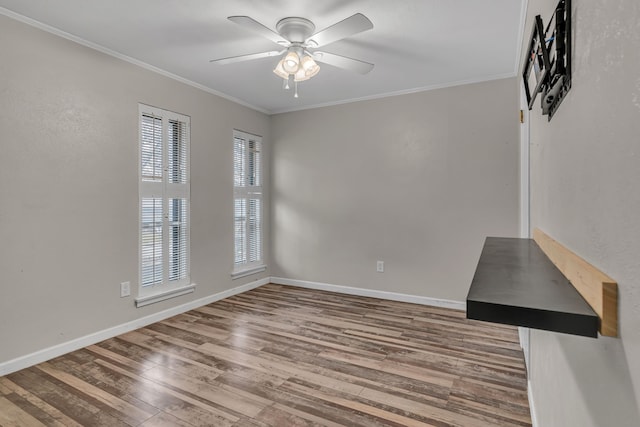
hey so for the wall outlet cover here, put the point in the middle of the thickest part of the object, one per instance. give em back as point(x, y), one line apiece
point(125, 289)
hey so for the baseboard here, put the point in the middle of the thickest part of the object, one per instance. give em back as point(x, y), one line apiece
point(415, 299)
point(532, 407)
point(78, 343)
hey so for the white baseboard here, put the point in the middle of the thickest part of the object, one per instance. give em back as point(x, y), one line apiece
point(415, 299)
point(78, 343)
point(87, 340)
point(532, 407)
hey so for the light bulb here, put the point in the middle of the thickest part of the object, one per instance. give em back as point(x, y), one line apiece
point(291, 63)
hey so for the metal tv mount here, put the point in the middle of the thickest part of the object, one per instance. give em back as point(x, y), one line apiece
point(547, 66)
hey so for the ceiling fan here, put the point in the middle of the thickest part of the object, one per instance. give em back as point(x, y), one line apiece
point(300, 42)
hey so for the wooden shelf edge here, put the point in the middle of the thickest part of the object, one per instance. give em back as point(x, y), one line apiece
point(599, 290)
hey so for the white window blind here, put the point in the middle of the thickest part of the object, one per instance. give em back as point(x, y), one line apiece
point(151, 241)
point(164, 200)
point(247, 168)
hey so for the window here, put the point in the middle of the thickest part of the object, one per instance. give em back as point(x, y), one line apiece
point(164, 205)
point(247, 181)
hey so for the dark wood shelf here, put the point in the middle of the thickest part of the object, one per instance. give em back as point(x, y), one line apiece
point(516, 284)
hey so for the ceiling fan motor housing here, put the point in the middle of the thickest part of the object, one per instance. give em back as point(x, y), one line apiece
point(295, 29)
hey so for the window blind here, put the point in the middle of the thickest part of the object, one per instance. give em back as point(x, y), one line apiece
point(177, 239)
point(247, 166)
point(151, 147)
point(151, 241)
point(177, 152)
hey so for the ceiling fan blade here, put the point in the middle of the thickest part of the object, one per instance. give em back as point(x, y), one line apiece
point(347, 27)
point(344, 62)
point(232, 59)
point(256, 27)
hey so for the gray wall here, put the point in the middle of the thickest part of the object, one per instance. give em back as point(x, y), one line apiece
point(69, 187)
point(417, 181)
point(585, 192)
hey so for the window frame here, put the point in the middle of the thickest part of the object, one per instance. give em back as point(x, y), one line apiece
point(248, 192)
point(167, 192)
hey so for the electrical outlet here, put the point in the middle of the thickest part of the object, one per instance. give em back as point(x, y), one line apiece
point(380, 266)
point(125, 289)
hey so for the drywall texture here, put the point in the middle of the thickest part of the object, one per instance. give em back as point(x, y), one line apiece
point(69, 187)
point(417, 181)
point(584, 192)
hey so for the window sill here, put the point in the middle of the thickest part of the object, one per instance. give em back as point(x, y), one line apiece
point(164, 295)
point(248, 271)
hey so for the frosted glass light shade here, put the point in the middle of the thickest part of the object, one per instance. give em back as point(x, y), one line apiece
point(279, 70)
point(291, 63)
point(308, 68)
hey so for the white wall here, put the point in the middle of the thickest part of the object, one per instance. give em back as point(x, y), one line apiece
point(417, 181)
point(585, 192)
point(69, 187)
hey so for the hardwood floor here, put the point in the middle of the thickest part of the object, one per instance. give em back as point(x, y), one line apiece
point(284, 356)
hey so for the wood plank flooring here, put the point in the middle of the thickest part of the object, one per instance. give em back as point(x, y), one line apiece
point(284, 356)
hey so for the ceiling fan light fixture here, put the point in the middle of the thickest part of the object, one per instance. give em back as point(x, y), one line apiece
point(291, 62)
point(308, 68)
point(300, 76)
point(279, 70)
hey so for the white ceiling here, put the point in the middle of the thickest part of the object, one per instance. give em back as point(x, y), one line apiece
point(415, 44)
